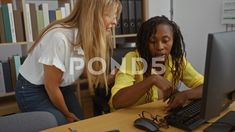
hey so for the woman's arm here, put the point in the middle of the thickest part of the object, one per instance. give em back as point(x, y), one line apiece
point(52, 80)
point(194, 93)
point(130, 95)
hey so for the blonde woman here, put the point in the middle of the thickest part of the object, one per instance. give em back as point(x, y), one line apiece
point(61, 54)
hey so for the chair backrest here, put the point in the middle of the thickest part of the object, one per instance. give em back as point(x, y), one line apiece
point(27, 122)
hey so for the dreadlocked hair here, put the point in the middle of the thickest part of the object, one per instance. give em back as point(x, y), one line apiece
point(177, 51)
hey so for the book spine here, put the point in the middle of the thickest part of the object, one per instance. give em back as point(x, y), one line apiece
point(40, 20)
point(17, 64)
point(6, 23)
point(2, 83)
point(125, 17)
point(52, 16)
point(45, 10)
point(58, 14)
point(67, 9)
point(138, 14)
point(7, 76)
point(33, 18)
point(28, 25)
point(72, 4)
point(13, 71)
point(132, 26)
point(12, 24)
point(2, 32)
point(19, 26)
point(62, 12)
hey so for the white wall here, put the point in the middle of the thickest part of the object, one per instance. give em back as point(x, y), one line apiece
point(159, 7)
point(196, 19)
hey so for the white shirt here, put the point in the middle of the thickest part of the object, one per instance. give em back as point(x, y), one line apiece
point(55, 49)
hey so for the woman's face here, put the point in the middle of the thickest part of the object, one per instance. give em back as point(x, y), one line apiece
point(161, 42)
point(110, 19)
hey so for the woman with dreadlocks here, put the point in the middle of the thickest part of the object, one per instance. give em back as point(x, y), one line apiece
point(153, 71)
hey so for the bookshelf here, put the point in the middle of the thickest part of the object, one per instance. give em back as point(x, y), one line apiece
point(128, 36)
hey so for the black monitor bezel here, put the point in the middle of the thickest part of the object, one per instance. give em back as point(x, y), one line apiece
point(223, 103)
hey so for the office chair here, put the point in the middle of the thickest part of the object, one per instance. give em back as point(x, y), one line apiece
point(27, 122)
point(101, 98)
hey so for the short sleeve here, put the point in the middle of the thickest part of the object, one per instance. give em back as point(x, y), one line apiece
point(125, 77)
point(53, 49)
point(191, 78)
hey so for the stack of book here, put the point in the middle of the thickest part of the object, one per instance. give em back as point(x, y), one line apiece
point(131, 17)
point(9, 71)
point(20, 25)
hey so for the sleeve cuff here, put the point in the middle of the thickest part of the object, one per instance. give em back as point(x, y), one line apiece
point(53, 61)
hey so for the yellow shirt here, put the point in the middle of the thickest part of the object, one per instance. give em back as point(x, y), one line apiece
point(126, 77)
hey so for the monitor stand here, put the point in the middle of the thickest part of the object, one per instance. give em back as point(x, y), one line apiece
point(224, 124)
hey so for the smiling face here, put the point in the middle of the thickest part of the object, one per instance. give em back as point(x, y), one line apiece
point(110, 18)
point(160, 42)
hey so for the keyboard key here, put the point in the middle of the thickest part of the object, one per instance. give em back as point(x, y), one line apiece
point(187, 117)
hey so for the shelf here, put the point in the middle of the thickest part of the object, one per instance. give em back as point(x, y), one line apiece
point(8, 107)
point(16, 43)
point(125, 35)
point(6, 94)
point(8, 104)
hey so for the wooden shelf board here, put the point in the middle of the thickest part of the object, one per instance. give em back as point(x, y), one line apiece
point(8, 107)
point(125, 35)
point(16, 43)
point(6, 94)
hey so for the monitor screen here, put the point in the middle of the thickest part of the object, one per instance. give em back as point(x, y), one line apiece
point(219, 74)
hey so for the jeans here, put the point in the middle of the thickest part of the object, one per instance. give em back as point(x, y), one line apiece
point(31, 97)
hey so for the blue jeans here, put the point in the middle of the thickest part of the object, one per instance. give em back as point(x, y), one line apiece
point(31, 97)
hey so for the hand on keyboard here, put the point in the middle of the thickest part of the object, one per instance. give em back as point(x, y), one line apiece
point(187, 117)
point(175, 110)
point(177, 100)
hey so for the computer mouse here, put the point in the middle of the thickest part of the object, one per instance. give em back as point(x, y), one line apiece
point(146, 124)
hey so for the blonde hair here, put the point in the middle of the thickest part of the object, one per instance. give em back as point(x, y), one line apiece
point(87, 16)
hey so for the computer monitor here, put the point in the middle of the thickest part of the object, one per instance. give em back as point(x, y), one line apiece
point(219, 83)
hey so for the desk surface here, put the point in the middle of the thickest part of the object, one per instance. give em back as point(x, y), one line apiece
point(123, 120)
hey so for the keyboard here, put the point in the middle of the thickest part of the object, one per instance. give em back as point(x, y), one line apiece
point(187, 117)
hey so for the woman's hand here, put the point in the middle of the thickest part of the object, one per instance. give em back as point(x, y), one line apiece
point(71, 117)
point(164, 85)
point(180, 98)
point(176, 100)
point(111, 76)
